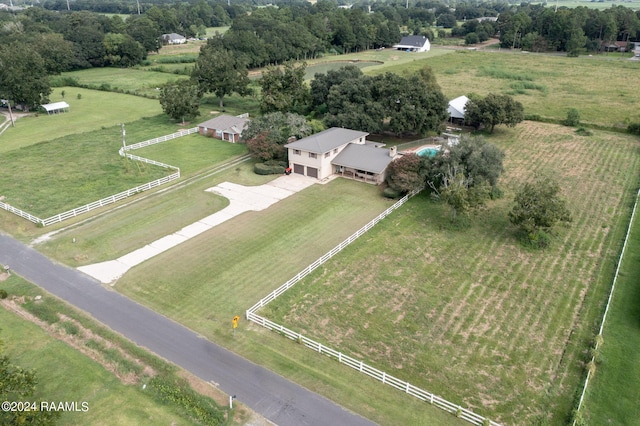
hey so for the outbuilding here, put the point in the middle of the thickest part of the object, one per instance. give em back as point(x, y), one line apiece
point(414, 43)
point(56, 107)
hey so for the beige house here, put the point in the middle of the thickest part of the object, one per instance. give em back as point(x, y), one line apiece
point(225, 127)
point(340, 151)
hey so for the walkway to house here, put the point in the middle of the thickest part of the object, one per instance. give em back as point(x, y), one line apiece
point(241, 199)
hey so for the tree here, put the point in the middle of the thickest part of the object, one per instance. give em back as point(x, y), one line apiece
point(576, 43)
point(573, 118)
point(23, 76)
point(466, 176)
point(406, 173)
point(284, 89)
point(494, 110)
point(180, 100)
point(18, 384)
point(266, 136)
point(538, 208)
point(220, 71)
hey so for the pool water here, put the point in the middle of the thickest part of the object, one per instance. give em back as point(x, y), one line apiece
point(428, 152)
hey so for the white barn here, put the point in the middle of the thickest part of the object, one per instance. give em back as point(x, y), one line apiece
point(414, 44)
point(457, 108)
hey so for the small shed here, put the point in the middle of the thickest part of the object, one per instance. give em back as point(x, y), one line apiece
point(56, 107)
point(457, 107)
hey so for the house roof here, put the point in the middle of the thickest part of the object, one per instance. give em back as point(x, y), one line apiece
point(226, 123)
point(55, 106)
point(173, 36)
point(412, 41)
point(457, 107)
point(326, 140)
point(363, 157)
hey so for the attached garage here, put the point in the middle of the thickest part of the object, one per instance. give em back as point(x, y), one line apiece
point(298, 168)
point(312, 172)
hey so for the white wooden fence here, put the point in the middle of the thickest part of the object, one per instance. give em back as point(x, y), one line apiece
point(382, 376)
point(117, 197)
point(606, 309)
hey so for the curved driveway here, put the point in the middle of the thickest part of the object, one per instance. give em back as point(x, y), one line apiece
point(279, 400)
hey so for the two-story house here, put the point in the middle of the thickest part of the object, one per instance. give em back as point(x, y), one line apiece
point(340, 151)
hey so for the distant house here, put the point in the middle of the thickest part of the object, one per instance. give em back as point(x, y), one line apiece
point(340, 151)
point(173, 38)
point(225, 127)
point(56, 107)
point(414, 44)
point(457, 108)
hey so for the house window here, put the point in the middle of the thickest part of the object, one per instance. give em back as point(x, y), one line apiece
point(296, 151)
point(219, 133)
point(313, 155)
point(326, 154)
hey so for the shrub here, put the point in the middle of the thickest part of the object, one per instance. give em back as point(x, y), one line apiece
point(391, 193)
point(70, 328)
point(581, 131)
point(269, 168)
point(634, 128)
point(3, 293)
point(573, 118)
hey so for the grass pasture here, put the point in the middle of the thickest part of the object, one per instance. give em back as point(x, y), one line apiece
point(95, 110)
point(127, 80)
point(613, 393)
point(546, 85)
point(68, 172)
point(471, 315)
point(64, 374)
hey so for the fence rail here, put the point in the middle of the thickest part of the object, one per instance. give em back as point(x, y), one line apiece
point(382, 376)
point(117, 197)
point(160, 139)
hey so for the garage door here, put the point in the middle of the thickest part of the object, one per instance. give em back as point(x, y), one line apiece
point(298, 168)
point(312, 172)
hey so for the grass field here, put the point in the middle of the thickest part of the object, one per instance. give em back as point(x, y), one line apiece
point(471, 315)
point(65, 374)
point(95, 110)
point(613, 392)
point(68, 172)
point(546, 85)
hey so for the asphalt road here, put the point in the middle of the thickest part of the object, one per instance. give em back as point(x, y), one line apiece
point(276, 398)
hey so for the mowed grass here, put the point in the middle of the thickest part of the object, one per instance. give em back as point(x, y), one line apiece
point(155, 215)
point(613, 392)
point(95, 110)
point(55, 176)
point(128, 80)
point(471, 315)
point(64, 374)
point(546, 85)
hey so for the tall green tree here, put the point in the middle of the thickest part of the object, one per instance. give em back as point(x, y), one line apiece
point(220, 71)
point(23, 76)
point(284, 89)
point(181, 100)
point(466, 175)
point(494, 110)
point(266, 136)
point(538, 208)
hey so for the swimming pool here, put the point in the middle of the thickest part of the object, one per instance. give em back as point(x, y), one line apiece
point(428, 151)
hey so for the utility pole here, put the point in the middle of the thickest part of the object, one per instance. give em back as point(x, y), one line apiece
point(13, 124)
point(138, 2)
point(124, 144)
point(68, 8)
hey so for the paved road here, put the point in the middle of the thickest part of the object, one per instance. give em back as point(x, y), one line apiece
point(279, 400)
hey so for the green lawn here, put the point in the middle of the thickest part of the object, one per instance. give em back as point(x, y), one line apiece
point(546, 85)
point(613, 393)
point(55, 176)
point(95, 110)
point(128, 80)
point(471, 315)
point(64, 374)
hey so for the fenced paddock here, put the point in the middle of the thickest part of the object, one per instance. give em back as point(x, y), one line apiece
point(119, 196)
point(358, 365)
